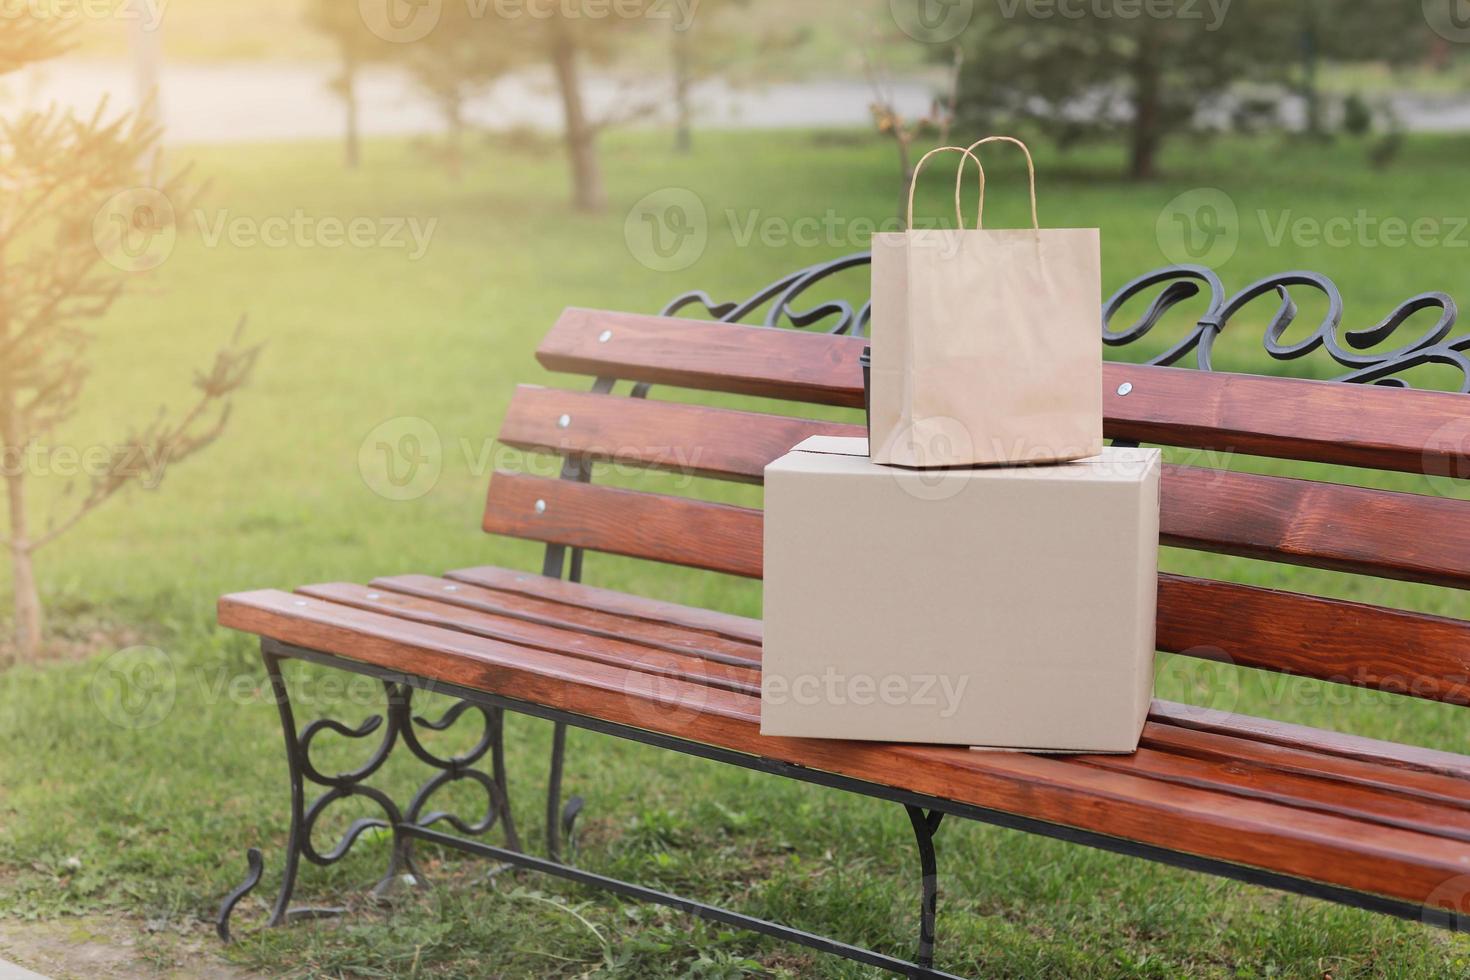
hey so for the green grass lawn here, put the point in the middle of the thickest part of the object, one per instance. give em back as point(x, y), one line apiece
point(158, 818)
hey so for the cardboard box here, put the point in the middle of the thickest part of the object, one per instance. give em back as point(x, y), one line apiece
point(993, 607)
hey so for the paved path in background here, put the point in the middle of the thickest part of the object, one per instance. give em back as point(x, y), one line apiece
point(268, 101)
point(254, 102)
point(99, 947)
point(9, 971)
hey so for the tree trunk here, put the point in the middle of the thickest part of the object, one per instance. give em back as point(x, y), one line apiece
point(147, 49)
point(1147, 122)
point(452, 104)
point(581, 135)
point(352, 149)
point(28, 620)
point(683, 138)
point(23, 578)
point(1440, 54)
point(1311, 95)
point(906, 181)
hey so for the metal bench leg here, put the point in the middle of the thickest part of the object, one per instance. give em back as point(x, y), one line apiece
point(281, 910)
point(925, 824)
point(397, 721)
point(560, 821)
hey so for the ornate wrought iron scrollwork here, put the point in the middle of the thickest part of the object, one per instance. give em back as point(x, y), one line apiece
point(832, 316)
point(1351, 349)
point(397, 721)
point(774, 306)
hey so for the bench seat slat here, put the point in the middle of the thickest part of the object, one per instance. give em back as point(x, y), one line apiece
point(1243, 778)
point(671, 637)
point(1357, 425)
point(1334, 847)
point(1163, 732)
point(1287, 735)
point(574, 596)
point(571, 642)
point(1408, 536)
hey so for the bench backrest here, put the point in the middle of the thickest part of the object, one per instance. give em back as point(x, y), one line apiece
point(1410, 536)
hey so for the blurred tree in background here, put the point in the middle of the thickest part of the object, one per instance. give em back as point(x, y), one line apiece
point(466, 47)
point(459, 59)
point(741, 42)
point(82, 207)
point(571, 38)
point(1389, 32)
point(905, 130)
point(1092, 73)
point(356, 46)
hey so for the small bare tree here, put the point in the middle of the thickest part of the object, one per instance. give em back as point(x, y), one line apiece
point(80, 207)
point(904, 131)
point(356, 45)
point(461, 58)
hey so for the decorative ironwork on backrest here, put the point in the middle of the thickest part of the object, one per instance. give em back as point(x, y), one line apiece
point(832, 316)
point(1433, 346)
point(1174, 285)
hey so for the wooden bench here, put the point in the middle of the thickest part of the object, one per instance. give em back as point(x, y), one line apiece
point(1363, 822)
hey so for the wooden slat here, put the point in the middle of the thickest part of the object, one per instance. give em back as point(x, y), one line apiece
point(1328, 639)
point(690, 439)
point(715, 537)
point(669, 636)
point(1243, 778)
point(573, 643)
point(1414, 537)
point(816, 367)
point(1319, 421)
point(579, 597)
point(1408, 536)
point(453, 656)
point(1232, 746)
point(1329, 847)
point(1290, 735)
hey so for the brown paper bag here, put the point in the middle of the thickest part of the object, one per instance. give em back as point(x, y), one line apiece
point(986, 344)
